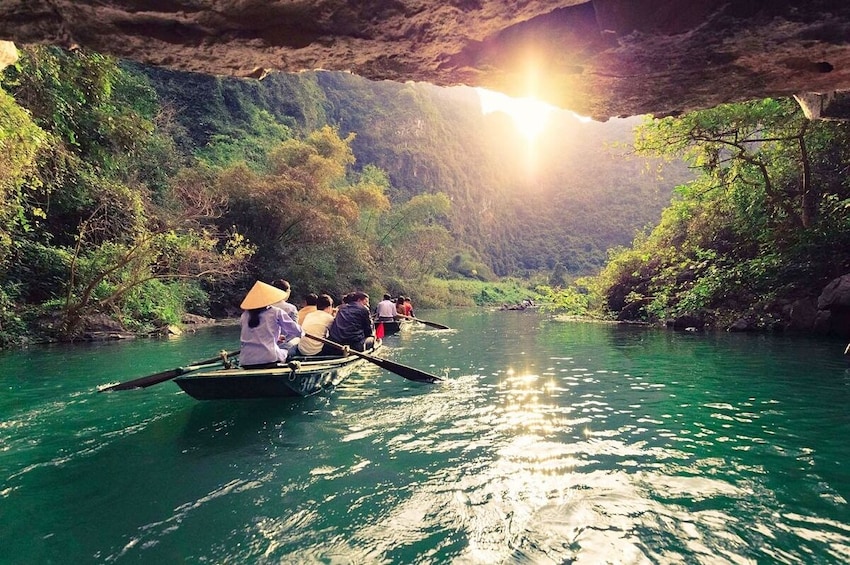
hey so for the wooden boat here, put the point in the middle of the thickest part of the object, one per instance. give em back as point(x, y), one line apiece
point(301, 376)
point(392, 328)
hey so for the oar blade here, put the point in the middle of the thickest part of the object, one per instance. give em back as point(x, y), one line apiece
point(144, 382)
point(409, 373)
point(426, 322)
point(433, 324)
point(402, 370)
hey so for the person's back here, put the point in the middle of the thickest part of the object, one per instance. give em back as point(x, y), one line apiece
point(385, 311)
point(309, 306)
point(290, 309)
point(262, 326)
point(317, 324)
point(353, 323)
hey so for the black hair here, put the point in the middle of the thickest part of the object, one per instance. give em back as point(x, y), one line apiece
point(254, 316)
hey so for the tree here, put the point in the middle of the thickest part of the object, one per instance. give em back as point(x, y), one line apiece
point(766, 220)
point(21, 142)
point(167, 242)
point(761, 145)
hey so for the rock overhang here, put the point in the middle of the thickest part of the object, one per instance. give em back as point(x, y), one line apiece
point(599, 58)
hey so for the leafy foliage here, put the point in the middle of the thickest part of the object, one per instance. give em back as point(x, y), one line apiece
point(21, 141)
point(138, 192)
point(765, 222)
point(105, 210)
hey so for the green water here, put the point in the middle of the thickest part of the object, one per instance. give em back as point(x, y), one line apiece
point(550, 442)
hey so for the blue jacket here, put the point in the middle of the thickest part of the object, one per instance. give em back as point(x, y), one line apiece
point(351, 326)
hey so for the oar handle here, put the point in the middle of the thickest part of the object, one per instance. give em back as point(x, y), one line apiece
point(161, 377)
point(344, 348)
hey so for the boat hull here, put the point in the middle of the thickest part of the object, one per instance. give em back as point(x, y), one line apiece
point(392, 328)
point(307, 378)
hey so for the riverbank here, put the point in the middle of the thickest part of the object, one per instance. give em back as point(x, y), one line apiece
point(101, 328)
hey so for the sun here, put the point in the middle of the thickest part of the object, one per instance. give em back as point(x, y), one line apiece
point(530, 116)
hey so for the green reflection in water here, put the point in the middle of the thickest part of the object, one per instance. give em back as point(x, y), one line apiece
point(550, 442)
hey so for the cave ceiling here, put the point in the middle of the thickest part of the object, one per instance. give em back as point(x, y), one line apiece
point(600, 58)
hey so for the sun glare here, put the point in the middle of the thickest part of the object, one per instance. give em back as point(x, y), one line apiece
point(529, 115)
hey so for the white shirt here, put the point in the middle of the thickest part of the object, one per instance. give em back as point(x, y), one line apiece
point(290, 310)
point(259, 344)
point(385, 310)
point(317, 324)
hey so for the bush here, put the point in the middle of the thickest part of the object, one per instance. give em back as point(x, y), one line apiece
point(12, 327)
point(156, 303)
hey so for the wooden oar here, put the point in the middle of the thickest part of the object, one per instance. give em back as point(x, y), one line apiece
point(156, 378)
point(426, 322)
point(391, 366)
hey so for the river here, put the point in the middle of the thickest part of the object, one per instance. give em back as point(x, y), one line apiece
point(549, 442)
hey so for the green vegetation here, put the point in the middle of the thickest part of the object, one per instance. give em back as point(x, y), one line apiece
point(97, 211)
point(139, 193)
point(766, 223)
point(455, 293)
point(580, 194)
point(107, 213)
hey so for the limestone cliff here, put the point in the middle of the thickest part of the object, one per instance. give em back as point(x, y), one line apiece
point(600, 58)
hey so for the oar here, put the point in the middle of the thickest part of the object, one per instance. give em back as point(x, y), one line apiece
point(156, 378)
point(391, 366)
point(426, 322)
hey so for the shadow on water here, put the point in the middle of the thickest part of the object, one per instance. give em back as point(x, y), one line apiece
point(249, 425)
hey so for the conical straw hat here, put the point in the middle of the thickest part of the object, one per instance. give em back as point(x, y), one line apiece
point(262, 295)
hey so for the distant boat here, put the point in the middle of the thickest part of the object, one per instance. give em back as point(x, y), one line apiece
point(392, 328)
point(302, 376)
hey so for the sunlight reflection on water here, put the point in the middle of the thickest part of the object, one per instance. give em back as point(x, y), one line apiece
point(548, 443)
point(553, 472)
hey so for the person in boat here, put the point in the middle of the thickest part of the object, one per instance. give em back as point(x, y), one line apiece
point(317, 323)
point(385, 311)
point(309, 306)
point(263, 325)
point(287, 307)
point(352, 325)
point(289, 340)
point(404, 307)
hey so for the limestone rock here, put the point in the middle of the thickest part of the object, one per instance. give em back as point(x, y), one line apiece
point(600, 58)
point(803, 315)
point(836, 295)
point(195, 319)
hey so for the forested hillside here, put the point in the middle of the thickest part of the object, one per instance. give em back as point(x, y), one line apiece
point(134, 194)
point(756, 240)
point(581, 196)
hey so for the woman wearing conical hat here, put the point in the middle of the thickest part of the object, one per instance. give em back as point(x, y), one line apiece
point(262, 326)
